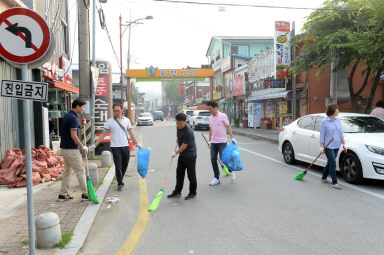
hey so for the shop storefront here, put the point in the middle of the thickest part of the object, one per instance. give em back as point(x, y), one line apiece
point(60, 92)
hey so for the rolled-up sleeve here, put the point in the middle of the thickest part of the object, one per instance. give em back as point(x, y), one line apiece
point(322, 131)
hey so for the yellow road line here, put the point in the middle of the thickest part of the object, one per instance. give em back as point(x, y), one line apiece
point(141, 221)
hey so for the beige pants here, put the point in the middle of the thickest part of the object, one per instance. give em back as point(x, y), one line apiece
point(72, 161)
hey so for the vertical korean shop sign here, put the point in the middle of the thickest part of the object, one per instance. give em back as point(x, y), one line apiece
point(282, 49)
point(103, 97)
point(24, 36)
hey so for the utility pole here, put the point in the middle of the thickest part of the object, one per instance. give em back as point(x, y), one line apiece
point(293, 76)
point(83, 35)
point(94, 64)
point(121, 65)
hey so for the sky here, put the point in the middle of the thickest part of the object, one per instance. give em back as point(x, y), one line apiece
point(179, 34)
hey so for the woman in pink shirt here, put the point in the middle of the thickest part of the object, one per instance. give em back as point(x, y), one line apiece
point(218, 127)
point(379, 110)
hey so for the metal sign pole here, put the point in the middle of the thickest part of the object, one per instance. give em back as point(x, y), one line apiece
point(28, 164)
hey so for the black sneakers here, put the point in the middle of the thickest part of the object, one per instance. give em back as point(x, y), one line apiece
point(84, 197)
point(190, 196)
point(120, 187)
point(174, 195)
point(62, 198)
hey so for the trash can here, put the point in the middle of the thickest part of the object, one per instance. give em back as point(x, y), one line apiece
point(106, 158)
point(48, 232)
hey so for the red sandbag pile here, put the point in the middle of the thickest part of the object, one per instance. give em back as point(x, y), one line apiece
point(45, 165)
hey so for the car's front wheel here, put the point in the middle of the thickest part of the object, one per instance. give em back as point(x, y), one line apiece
point(288, 153)
point(351, 168)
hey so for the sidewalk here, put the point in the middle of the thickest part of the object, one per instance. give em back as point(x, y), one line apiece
point(14, 216)
point(270, 135)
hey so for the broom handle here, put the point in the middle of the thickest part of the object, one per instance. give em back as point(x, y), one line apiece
point(318, 156)
point(218, 158)
point(169, 168)
point(86, 154)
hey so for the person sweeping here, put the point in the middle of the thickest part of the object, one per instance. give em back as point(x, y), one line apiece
point(330, 128)
point(218, 128)
point(187, 158)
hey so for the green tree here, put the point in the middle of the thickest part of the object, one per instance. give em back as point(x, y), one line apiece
point(350, 32)
point(172, 92)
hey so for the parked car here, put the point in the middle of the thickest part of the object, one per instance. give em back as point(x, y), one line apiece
point(158, 115)
point(189, 113)
point(145, 119)
point(200, 119)
point(364, 138)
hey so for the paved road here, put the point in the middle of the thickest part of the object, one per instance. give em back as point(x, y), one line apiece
point(264, 211)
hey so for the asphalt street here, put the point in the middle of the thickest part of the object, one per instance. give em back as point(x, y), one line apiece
point(264, 211)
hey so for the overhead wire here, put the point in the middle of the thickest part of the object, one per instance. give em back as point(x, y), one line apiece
point(256, 5)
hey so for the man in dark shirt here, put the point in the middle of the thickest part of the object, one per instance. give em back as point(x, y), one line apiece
point(69, 145)
point(187, 158)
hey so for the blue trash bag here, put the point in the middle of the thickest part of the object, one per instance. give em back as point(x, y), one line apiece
point(143, 161)
point(231, 157)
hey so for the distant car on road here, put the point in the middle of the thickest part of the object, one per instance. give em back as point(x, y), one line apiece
point(189, 113)
point(200, 119)
point(145, 119)
point(364, 138)
point(158, 115)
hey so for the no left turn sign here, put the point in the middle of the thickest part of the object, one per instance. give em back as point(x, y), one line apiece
point(24, 36)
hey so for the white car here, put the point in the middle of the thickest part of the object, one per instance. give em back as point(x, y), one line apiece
point(145, 118)
point(189, 113)
point(364, 138)
point(200, 119)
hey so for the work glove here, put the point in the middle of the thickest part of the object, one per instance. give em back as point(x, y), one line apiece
point(322, 150)
point(83, 122)
point(173, 154)
point(345, 149)
point(92, 147)
point(234, 140)
point(138, 145)
point(85, 149)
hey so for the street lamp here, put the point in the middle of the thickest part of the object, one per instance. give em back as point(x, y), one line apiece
point(121, 63)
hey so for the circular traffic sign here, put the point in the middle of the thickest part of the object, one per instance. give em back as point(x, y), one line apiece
point(24, 36)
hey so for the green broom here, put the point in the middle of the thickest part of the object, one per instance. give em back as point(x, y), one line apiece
point(225, 169)
point(156, 201)
point(301, 175)
point(91, 191)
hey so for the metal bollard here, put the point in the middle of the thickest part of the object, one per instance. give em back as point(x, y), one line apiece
point(93, 173)
point(48, 232)
point(106, 159)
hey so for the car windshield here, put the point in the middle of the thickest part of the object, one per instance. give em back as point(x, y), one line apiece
point(145, 115)
point(189, 112)
point(158, 113)
point(362, 125)
point(204, 114)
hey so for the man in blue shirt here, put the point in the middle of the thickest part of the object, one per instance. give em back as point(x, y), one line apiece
point(69, 145)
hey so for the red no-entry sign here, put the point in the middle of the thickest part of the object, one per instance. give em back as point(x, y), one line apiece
point(24, 36)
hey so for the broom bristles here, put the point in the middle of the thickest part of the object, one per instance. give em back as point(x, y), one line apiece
point(156, 201)
point(225, 169)
point(300, 176)
point(91, 192)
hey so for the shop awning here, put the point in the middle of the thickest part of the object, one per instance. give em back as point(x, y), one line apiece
point(65, 86)
point(269, 96)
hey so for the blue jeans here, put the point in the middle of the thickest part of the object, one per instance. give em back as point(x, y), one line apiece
point(216, 148)
point(331, 164)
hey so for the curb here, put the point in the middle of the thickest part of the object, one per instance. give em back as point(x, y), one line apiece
point(85, 223)
point(256, 136)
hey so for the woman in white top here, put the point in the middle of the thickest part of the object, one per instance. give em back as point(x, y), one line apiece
point(379, 110)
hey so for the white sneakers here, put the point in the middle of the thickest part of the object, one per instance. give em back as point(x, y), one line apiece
point(233, 176)
point(214, 182)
